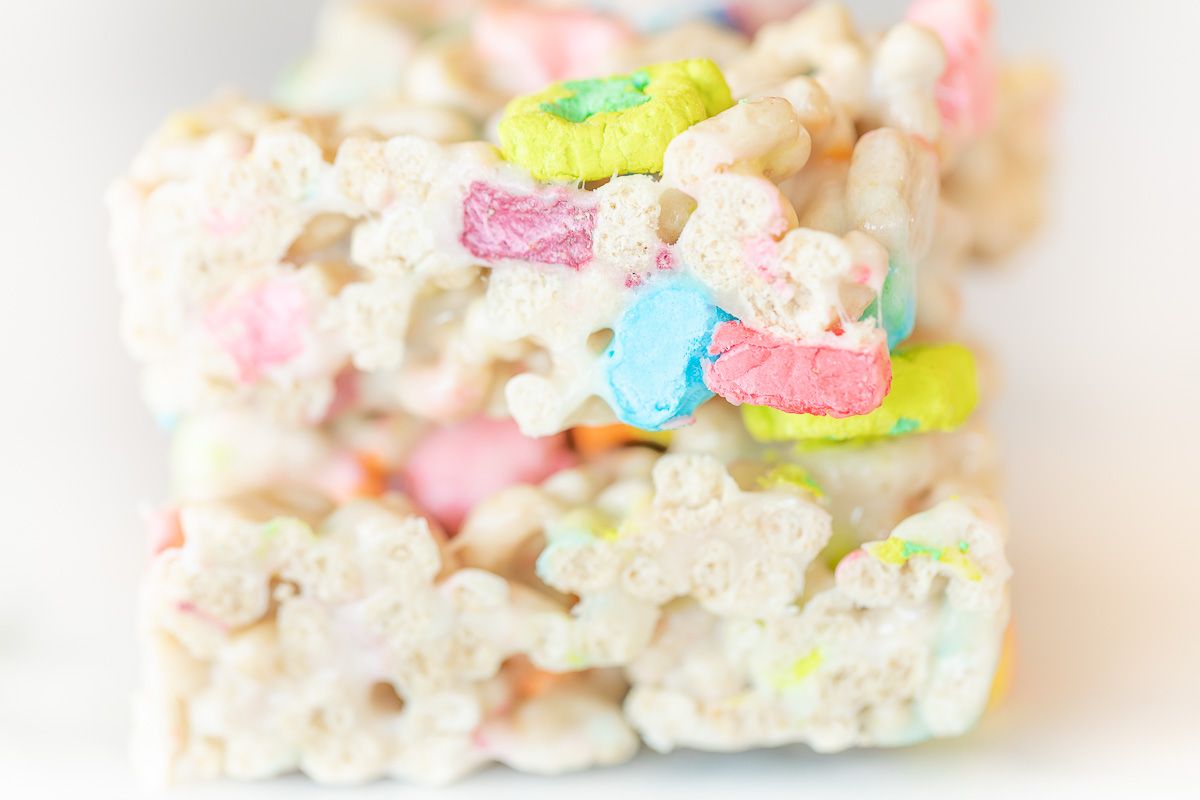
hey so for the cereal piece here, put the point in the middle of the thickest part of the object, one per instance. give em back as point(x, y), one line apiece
point(411, 191)
point(820, 41)
point(559, 311)
point(905, 67)
point(826, 379)
point(628, 235)
point(754, 137)
point(951, 541)
point(373, 317)
point(955, 550)
point(888, 190)
point(543, 405)
point(452, 469)
point(742, 241)
point(245, 203)
point(188, 141)
point(655, 367)
point(498, 527)
point(454, 368)
point(560, 731)
point(594, 129)
point(606, 628)
point(820, 118)
point(891, 194)
point(933, 388)
point(736, 552)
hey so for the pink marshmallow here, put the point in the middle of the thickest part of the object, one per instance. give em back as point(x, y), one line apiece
point(546, 228)
point(967, 88)
point(664, 259)
point(261, 328)
point(452, 469)
point(532, 47)
point(163, 529)
point(765, 370)
point(761, 254)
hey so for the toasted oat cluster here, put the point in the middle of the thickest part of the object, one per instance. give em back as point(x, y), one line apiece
point(544, 380)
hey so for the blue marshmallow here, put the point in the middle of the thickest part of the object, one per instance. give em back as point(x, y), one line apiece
point(654, 367)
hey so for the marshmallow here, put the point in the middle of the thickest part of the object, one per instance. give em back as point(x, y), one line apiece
point(966, 89)
point(451, 470)
point(933, 388)
point(530, 47)
point(260, 328)
point(544, 230)
point(655, 367)
point(825, 379)
point(594, 129)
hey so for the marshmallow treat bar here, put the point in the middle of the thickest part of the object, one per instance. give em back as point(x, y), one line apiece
point(635, 245)
point(719, 595)
point(546, 379)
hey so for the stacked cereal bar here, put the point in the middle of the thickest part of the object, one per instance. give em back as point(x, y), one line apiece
point(624, 428)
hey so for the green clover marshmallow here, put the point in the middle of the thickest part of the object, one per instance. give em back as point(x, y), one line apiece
point(597, 128)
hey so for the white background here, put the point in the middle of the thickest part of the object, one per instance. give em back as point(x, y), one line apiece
point(1096, 325)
